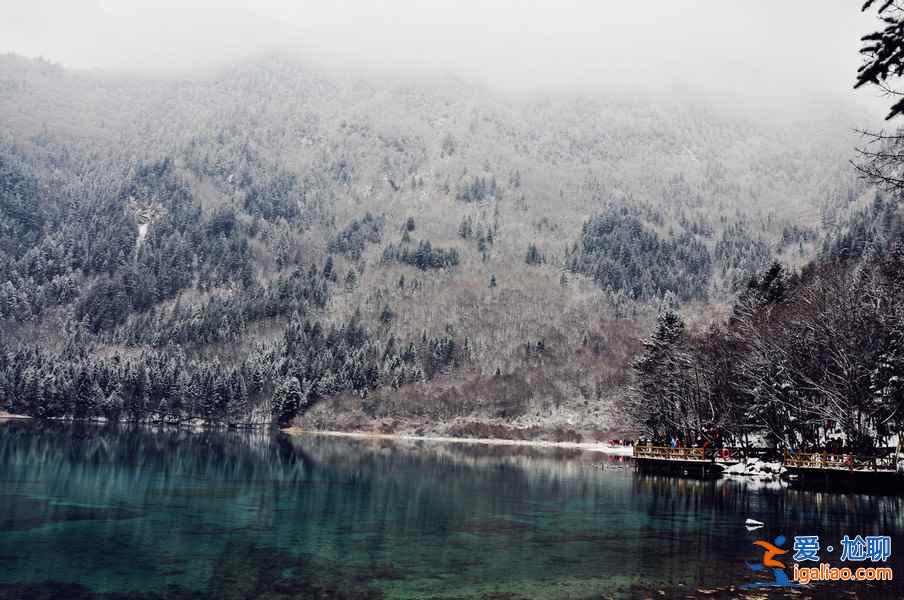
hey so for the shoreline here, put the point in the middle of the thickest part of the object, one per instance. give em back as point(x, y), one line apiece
point(5, 415)
point(586, 446)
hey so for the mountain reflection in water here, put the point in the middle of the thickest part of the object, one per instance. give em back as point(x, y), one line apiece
point(89, 512)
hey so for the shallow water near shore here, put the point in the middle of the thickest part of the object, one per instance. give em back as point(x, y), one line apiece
point(88, 512)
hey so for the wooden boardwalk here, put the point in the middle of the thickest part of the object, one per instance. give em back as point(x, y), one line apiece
point(692, 462)
point(668, 453)
point(834, 471)
point(824, 469)
point(839, 461)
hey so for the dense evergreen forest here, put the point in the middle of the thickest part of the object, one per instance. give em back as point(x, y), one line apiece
point(619, 253)
point(804, 356)
point(113, 285)
point(271, 242)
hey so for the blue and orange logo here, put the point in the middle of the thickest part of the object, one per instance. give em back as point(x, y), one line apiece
point(770, 551)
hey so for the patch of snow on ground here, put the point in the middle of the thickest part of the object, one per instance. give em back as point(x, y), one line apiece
point(617, 450)
point(142, 233)
point(754, 467)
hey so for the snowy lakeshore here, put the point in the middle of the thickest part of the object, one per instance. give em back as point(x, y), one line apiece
point(756, 468)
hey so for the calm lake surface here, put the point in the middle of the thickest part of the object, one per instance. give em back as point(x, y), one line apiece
point(88, 512)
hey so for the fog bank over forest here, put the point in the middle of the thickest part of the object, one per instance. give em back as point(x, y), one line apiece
point(772, 54)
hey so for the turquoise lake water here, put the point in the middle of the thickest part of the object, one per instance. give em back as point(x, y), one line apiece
point(88, 512)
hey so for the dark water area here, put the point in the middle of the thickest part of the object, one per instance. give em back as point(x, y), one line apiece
point(89, 512)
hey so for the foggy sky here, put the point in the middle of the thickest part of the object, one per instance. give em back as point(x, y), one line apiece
point(763, 46)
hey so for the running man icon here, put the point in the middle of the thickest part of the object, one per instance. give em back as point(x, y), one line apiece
point(778, 568)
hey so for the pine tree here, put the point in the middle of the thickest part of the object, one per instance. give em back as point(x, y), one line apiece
point(887, 382)
point(661, 388)
point(287, 400)
point(386, 315)
point(238, 409)
point(113, 404)
point(351, 278)
point(533, 257)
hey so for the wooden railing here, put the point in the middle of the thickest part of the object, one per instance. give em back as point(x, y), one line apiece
point(828, 460)
point(666, 452)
